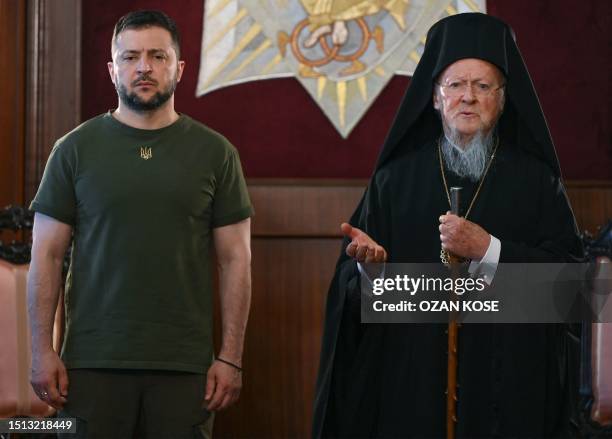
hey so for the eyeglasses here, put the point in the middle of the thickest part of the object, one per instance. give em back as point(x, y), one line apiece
point(455, 89)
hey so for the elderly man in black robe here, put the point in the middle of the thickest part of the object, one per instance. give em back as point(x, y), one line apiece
point(470, 118)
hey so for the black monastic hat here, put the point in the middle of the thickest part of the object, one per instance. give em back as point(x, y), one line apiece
point(471, 35)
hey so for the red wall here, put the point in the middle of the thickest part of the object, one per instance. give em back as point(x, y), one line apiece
point(280, 132)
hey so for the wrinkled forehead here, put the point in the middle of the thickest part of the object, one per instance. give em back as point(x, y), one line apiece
point(471, 69)
point(143, 39)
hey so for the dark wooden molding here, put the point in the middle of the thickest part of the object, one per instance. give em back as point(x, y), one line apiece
point(53, 93)
point(309, 182)
point(316, 207)
point(12, 101)
point(591, 184)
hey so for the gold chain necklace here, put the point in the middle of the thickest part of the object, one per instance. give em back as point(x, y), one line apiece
point(444, 254)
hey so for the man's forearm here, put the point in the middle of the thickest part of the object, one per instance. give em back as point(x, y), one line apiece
point(235, 292)
point(44, 279)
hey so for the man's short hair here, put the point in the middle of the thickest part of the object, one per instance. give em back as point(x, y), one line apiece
point(149, 18)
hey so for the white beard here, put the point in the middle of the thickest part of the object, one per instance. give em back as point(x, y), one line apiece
point(471, 160)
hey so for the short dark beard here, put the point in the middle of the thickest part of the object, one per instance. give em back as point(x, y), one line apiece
point(135, 103)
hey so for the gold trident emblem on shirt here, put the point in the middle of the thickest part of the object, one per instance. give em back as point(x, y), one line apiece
point(145, 153)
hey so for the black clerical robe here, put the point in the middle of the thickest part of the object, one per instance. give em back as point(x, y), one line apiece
point(389, 380)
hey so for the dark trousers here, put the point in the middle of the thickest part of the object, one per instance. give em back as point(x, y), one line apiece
point(130, 404)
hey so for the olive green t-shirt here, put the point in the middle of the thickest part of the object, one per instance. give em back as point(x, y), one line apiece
point(142, 204)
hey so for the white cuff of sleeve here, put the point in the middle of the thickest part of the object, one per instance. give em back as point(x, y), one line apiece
point(487, 266)
point(364, 273)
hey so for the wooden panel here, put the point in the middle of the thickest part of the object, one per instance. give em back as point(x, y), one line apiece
point(290, 281)
point(53, 83)
point(592, 203)
point(303, 207)
point(12, 92)
point(317, 207)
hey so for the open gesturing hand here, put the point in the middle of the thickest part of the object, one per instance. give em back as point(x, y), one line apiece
point(362, 248)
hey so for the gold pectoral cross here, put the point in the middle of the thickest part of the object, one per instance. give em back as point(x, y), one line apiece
point(146, 153)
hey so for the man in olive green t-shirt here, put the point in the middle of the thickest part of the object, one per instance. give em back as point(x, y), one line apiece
point(142, 191)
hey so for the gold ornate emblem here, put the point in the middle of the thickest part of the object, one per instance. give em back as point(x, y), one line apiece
point(146, 153)
point(342, 51)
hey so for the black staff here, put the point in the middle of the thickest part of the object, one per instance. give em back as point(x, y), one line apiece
point(453, 333)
